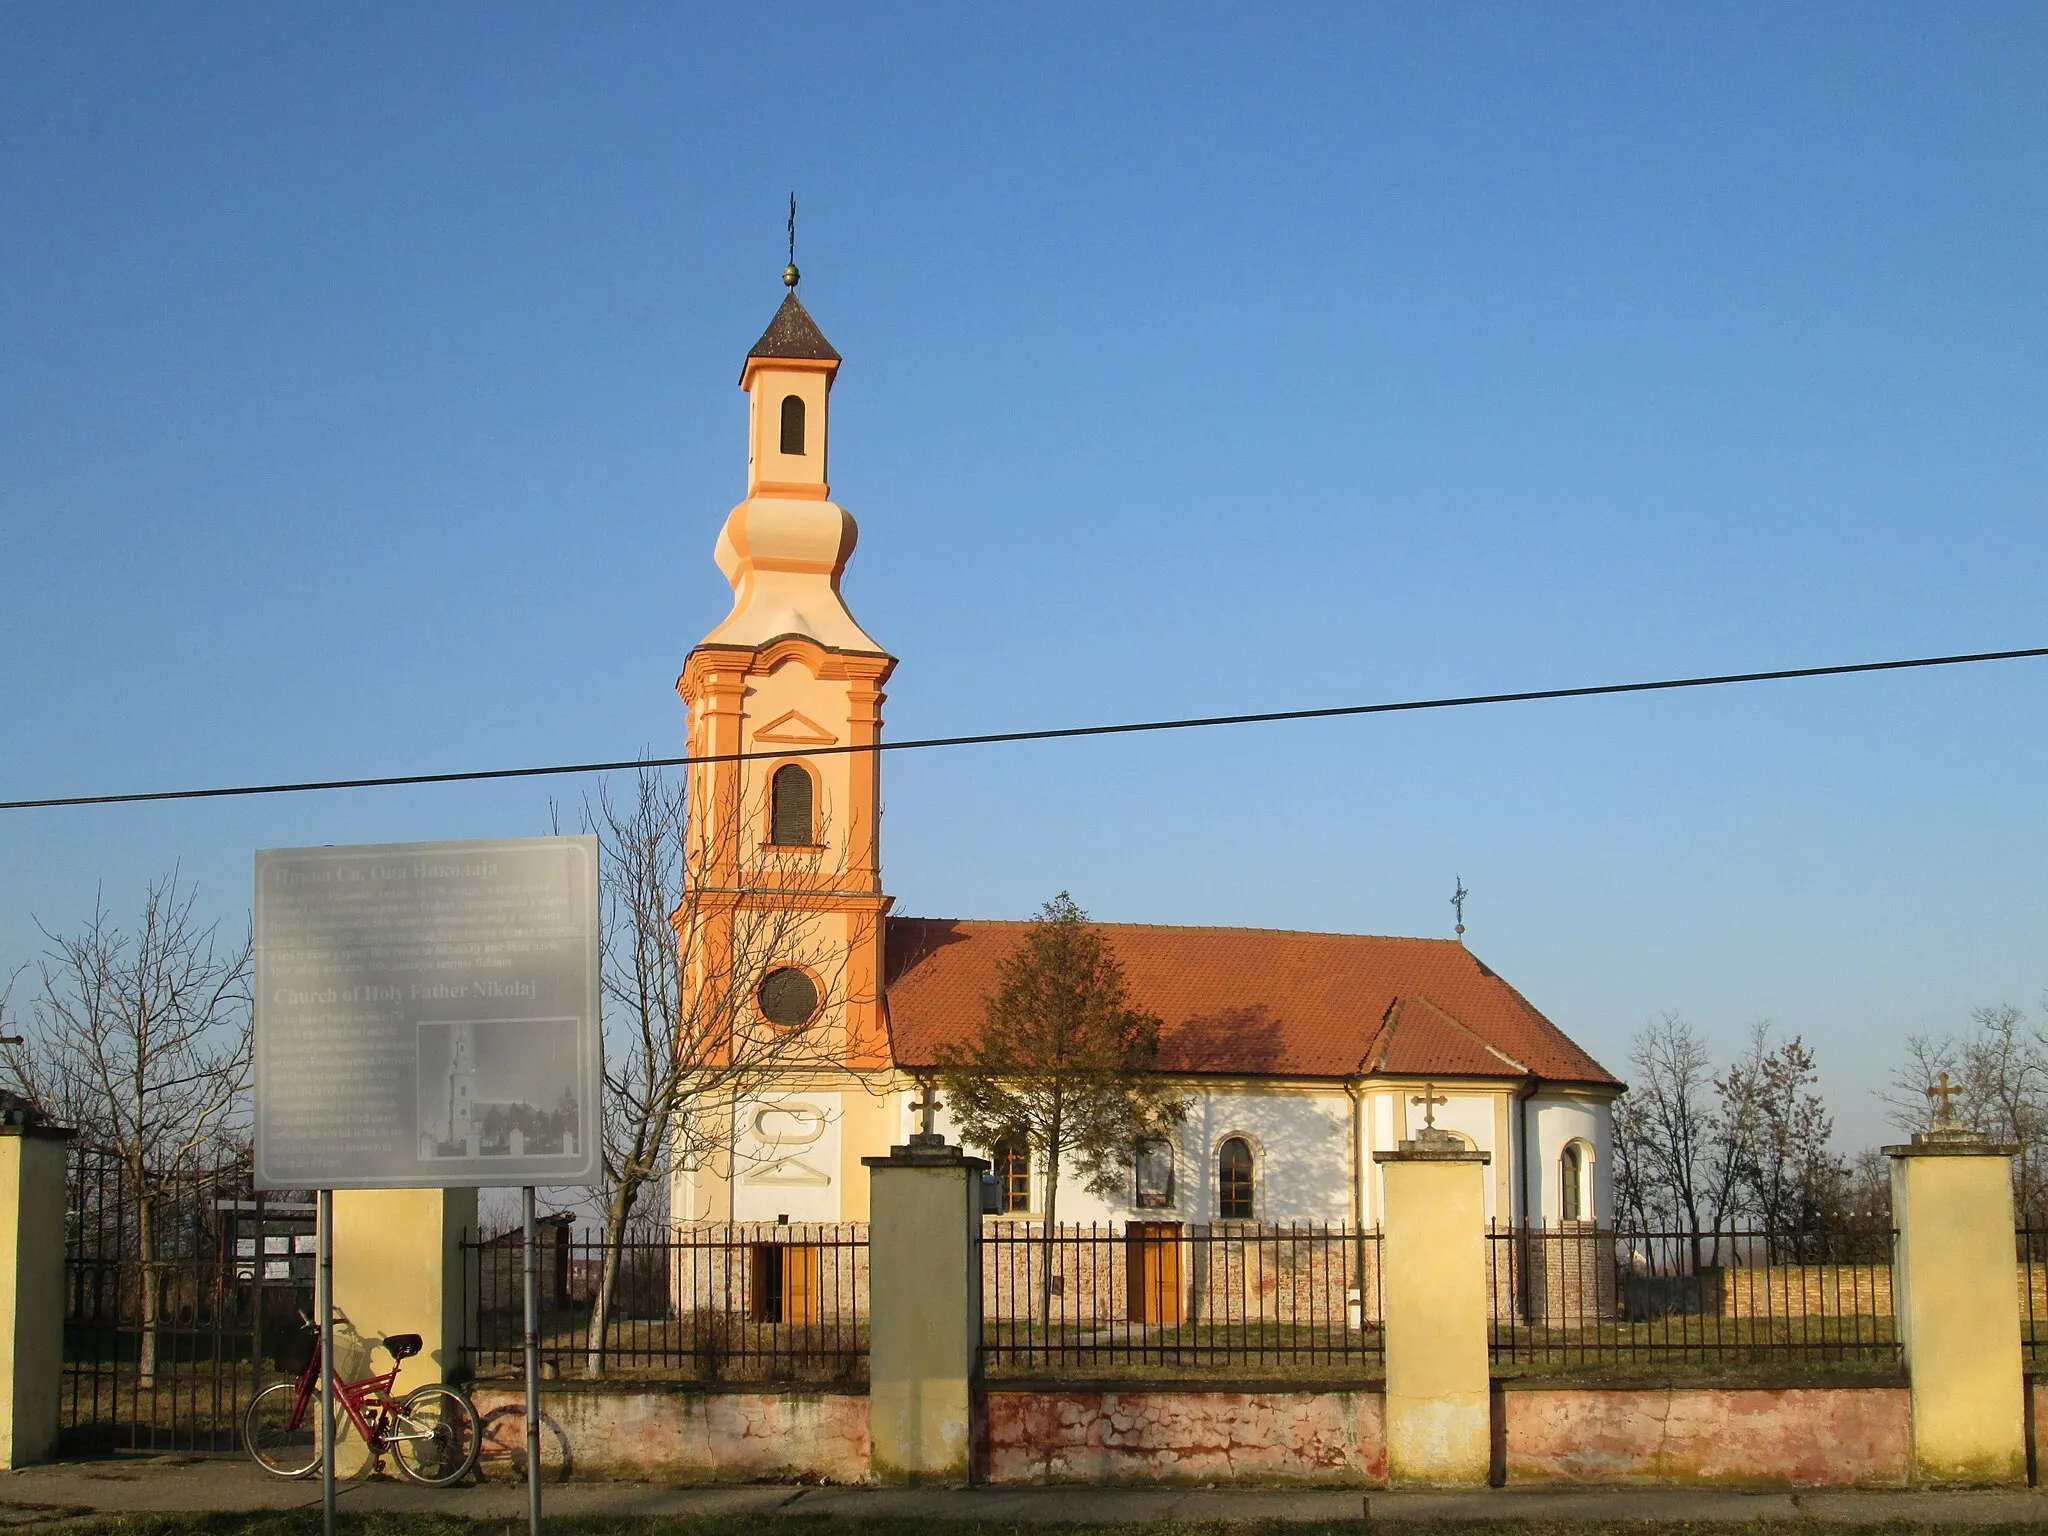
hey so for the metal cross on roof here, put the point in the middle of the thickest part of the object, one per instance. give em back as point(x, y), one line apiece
point(1458, 903)
point(927, 1105)
point(1429, 1098)
point(1942, 1090)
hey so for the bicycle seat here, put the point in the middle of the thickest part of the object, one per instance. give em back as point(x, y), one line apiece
point(402, 1345)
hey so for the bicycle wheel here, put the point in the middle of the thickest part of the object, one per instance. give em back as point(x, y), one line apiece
point(274, 1442)
point(433, 1436)
point(501, 1440)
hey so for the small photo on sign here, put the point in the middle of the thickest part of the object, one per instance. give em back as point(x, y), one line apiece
point(499, 1088)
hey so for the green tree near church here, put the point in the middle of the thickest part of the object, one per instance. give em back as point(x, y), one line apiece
point(1063, 1062)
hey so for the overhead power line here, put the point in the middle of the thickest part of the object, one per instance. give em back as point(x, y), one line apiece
point(1059, 733)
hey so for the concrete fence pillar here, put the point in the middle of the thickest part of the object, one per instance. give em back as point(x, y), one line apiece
point(31, 1286)
point(924, 1311)
point(398, 1269)
point(1433, 1278)
point(1958, 1316)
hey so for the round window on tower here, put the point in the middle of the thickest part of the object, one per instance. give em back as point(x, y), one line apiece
point(788, 997)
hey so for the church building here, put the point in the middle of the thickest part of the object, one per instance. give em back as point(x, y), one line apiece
point(1301, 1054)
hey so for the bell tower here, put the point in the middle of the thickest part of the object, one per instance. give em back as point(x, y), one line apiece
point(784, 845)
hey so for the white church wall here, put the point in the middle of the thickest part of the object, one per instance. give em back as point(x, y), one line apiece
point(1300, 1150)
point(1559, 1121)
point(1471, 1116)
point(786, 1151)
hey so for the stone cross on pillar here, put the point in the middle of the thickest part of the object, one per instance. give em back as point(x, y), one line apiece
point(1939, 1093)
point(1429, 1098)
point(927, 1107)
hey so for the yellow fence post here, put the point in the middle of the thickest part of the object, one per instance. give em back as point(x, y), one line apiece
point(1433, 1287)
point(398, 1269)
point(1952, 1292)
point(924, 1311)
point(31, 1285)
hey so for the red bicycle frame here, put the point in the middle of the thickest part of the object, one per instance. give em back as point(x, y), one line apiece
point(372, 1392)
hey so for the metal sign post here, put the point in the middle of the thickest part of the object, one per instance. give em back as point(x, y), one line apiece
point(427, 1018)
point(323, 1298)
point(532, 1365)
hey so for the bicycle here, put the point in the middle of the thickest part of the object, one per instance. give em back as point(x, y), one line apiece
point(431, 1433)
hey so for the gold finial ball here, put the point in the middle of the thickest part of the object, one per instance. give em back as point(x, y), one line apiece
point(790, 275)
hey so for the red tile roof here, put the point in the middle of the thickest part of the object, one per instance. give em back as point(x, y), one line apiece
point(1257, 1001)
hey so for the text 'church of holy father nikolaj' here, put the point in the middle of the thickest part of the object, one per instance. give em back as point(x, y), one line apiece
point(1300, 1053)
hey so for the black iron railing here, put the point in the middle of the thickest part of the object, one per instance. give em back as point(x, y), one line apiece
point(1577, 1297)
point(1180, 1300)
point(767, 1302)
point(181, 1287)
point(2033, 1288)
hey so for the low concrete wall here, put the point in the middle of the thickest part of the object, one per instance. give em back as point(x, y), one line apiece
point(635, 1431)
point(1182, 1434)
point(1544, 1433)
point(1802, 1437)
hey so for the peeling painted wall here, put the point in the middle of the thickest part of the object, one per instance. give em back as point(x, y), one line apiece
point(1811, 1437)
point(629, 1432)
point(1820, 1437)
point(1187, 1435)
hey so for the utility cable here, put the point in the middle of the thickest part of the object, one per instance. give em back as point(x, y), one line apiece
point(1060, 733)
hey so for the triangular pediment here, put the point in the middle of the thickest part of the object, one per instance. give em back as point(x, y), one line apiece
point(789, 1170)
point(797, 730)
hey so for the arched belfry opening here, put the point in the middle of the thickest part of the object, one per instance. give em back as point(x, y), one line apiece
point(793, 424)
point(790, 815)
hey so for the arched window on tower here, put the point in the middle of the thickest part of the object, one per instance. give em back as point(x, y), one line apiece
point(789, 812)
point(1571, 1169)
point(793, 424)
point(1234, 1180)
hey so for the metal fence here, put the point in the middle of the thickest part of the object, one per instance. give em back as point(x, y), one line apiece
point(767, 1302)
point(2033, 1286)
point(1575, 1297)
point(180, 1285)
point(1168, 1299)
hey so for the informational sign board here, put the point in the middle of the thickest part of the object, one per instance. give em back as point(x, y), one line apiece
point(427, 1015)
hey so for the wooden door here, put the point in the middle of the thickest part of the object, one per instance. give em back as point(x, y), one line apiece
point(1152, 1279)
point(800, 1284)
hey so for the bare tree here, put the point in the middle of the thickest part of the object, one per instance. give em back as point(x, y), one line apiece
point(686, 952)
point(1778, 1130)
point(1683, 1135)
point(1063, 1063)
point(2000, 1072)
point(141, 1040)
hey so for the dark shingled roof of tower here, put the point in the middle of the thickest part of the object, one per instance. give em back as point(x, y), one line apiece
point(793, 333)
point(1255, 1001)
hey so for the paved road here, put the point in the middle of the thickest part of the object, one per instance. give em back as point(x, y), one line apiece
point(43, 1495)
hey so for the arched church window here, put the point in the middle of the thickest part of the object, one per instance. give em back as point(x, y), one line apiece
point(793, 424)
point(1012, 1160)
point(789, 797)
point(1572, 1177)
point(788, 997)
point(1234, 1180)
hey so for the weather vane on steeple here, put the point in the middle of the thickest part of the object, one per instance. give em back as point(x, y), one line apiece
point(1458, 903)
point(790, 275)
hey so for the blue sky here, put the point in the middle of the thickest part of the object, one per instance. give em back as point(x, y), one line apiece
point(367, 405)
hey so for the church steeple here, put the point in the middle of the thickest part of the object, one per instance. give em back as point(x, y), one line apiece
point(784, 547)
point(787, 672)
point(788, 380)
